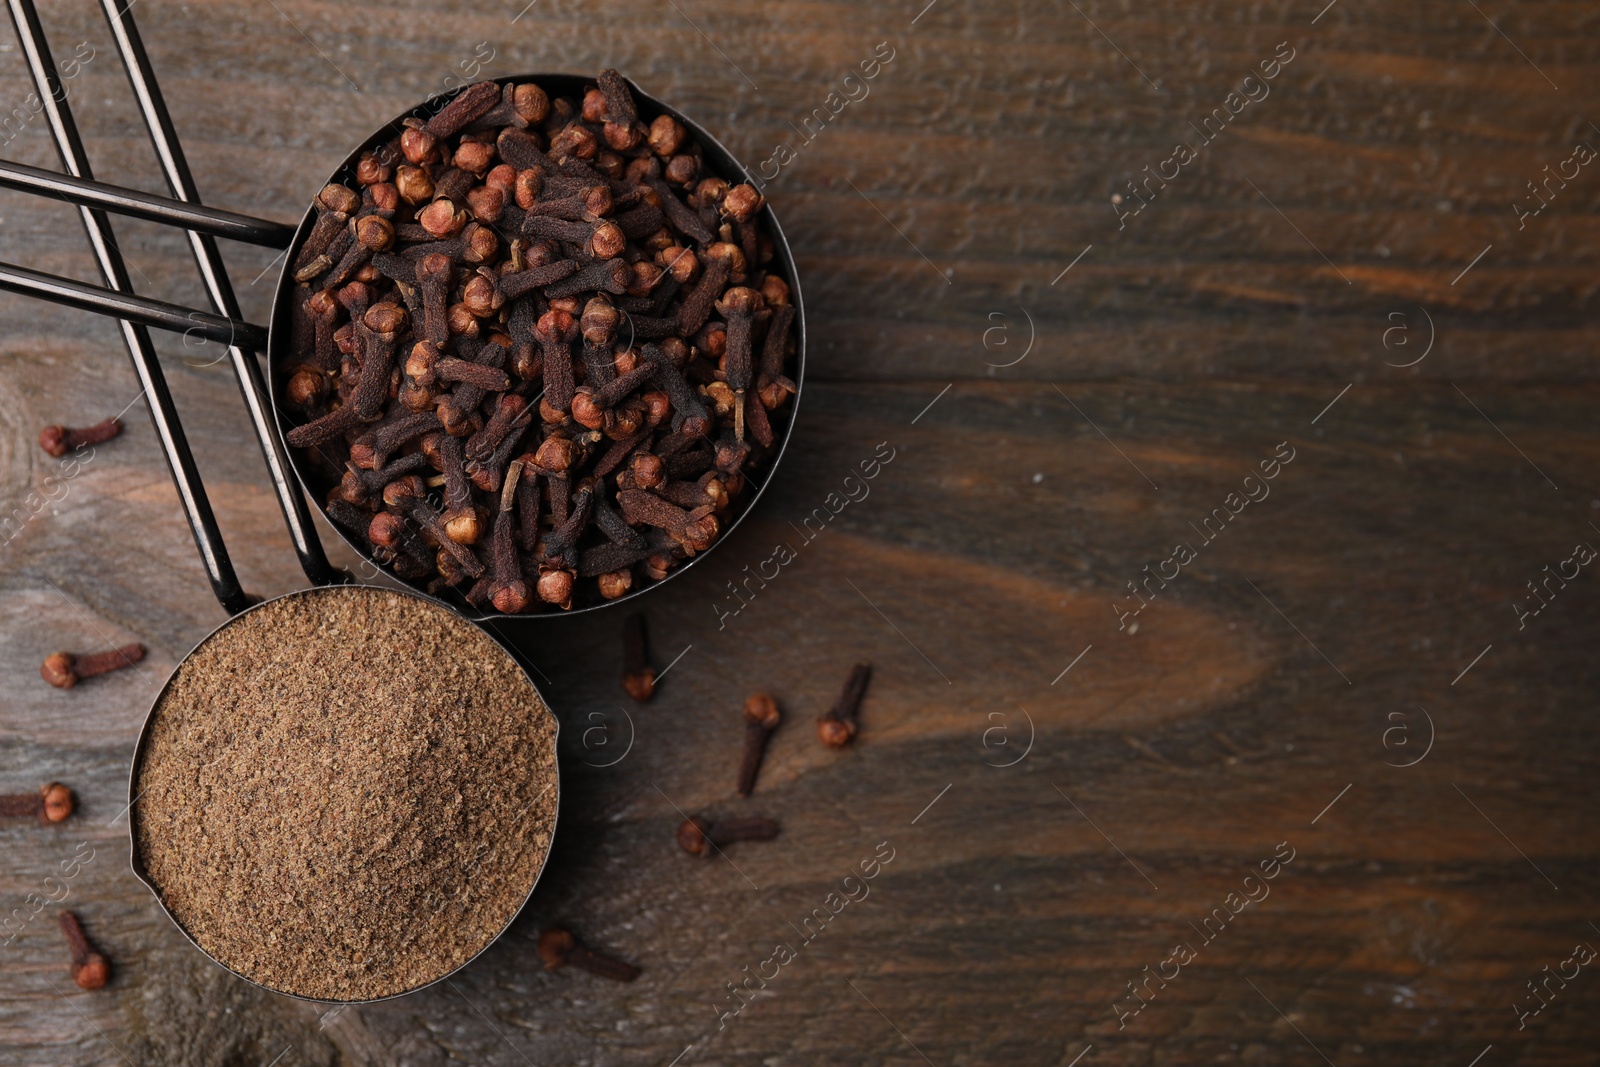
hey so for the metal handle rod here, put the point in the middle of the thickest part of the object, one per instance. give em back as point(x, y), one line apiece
point(131, 308)
point(163, 414)
point(141, 76)
point(140, 205)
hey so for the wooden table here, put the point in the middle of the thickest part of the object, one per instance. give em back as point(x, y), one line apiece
point(1069, 385)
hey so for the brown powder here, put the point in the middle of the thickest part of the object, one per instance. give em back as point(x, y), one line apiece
point(346, 793)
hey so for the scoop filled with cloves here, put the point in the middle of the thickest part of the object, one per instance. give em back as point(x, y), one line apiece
point(544, 344)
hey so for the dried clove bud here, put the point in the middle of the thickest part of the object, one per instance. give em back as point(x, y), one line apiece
point(52, 803)
point(59, 440)
point(699, 837)
point(838, 727)
point(638, 677)
point(761, 719)
point(90, 970)
point(557, 948)
point(64, 669)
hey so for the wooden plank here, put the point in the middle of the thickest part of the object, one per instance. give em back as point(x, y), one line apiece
point(984, 570)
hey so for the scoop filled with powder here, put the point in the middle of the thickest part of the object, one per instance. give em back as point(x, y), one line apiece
point(346, 793)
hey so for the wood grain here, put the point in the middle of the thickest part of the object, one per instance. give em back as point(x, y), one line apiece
point(982, 570)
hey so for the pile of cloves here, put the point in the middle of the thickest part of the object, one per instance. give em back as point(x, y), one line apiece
point(537, 342)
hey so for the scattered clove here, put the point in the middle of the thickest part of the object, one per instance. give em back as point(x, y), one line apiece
point(90, 970)
point(699, 837)
point(59, 440)
point(52, 803)
point(761, 719)
point(558, 948)
point(64, 669)
point(638, 677)
point(838, 727)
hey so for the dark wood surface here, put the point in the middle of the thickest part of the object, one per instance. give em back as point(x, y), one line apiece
point(1373, 587)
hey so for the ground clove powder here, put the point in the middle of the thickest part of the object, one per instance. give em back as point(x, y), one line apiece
point(346, 793)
